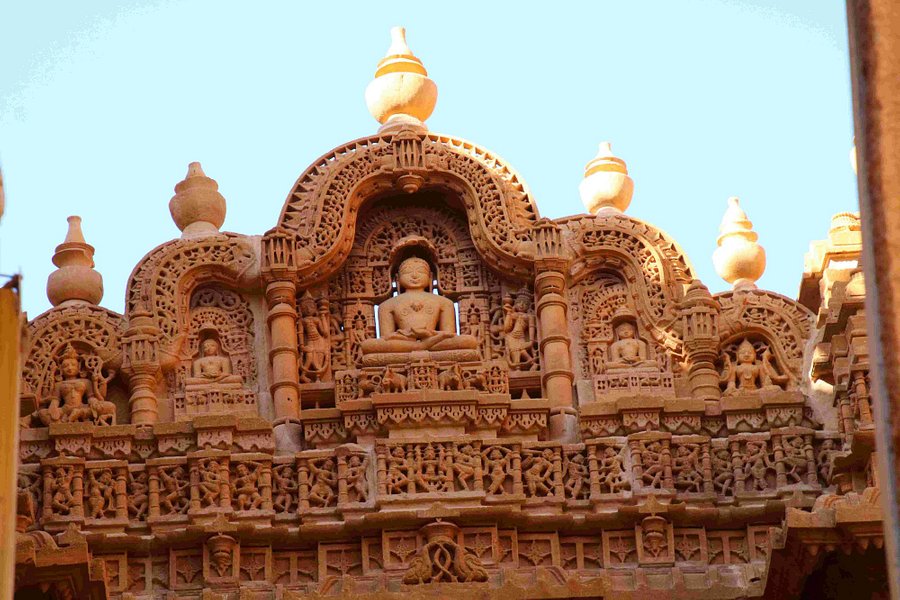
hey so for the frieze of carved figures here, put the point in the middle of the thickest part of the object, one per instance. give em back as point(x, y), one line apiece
point(321, 207)
point(771, 322)
point(78, 392)
point(165, 278)
point(422, 375)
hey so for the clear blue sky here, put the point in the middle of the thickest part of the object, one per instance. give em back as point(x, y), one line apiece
point(104, 104)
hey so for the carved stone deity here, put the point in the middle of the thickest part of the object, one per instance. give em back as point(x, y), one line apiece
point(518, 332)
point(212, 369)
point(315, 347)
point(78, 395)
point(415, 320)
point(628, 351)
point(749, 372)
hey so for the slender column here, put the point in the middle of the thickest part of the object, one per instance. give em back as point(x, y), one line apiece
point(279, 270)
point(700, 324)
point(552, 310)
point(141, 344)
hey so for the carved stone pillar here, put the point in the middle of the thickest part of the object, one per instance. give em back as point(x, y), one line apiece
point(700, 326)
point(141, 364)
point(552, 310)
point(281, 297)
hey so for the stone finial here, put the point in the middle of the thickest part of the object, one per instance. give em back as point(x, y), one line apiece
point(739, 260)
point(401, 95)
point(606, 184)
point(197, 207)
point(75, 278)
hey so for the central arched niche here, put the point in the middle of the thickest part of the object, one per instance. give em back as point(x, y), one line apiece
point(431, 224)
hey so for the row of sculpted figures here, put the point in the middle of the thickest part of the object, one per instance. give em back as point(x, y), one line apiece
point(413, 288)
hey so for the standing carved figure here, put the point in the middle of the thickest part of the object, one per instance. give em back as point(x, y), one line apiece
point(537, 472)
point(576, 475)
point(357, 485)
point(497, 462)
point(246, 486)
point(285, 488)
point(321, 492)
point(173, 499)
point(210, 484)
point(518, 332)
point(315, 347)
point(62, 500)
point(465, 461)
point(137, 495)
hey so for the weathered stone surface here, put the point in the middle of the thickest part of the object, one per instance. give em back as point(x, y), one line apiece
point(412, 386)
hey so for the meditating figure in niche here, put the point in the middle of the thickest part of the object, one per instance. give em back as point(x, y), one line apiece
point(749, 372)
point(212, 368)
point(628, 351)
point(416, 320)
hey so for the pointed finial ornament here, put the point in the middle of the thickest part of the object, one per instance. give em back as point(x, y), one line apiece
point(401, 95)
point(197, 207)
point(606, 185)
point(75, 278)
point(739, 260)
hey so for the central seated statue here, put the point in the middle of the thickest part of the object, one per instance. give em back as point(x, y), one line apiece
point(415, 320)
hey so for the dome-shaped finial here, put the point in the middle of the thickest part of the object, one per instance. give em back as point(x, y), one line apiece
point(401, 95)
point(606, 184)
point(75, 278)
point(739, 260)
point(197, 207)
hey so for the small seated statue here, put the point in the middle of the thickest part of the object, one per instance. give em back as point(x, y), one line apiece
point(628, 351)
point(212, 369)
point(415, 320)
point(749, 372)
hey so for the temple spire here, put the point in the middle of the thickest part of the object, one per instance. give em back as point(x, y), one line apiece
point(606, 185)
point(402, 94)
point(197, 207)
point(739, 259)
point(75, 278)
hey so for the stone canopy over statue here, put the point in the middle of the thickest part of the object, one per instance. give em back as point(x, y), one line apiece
point(416, 320)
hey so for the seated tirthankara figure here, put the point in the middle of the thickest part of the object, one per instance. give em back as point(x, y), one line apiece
point(415, 320)
point(628, 351)
point(211, 369)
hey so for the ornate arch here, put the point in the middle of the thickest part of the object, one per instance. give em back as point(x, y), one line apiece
point(785, 324)
point(163, 281)
point(654, 267)
point(92, 328)
point(321, 209)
